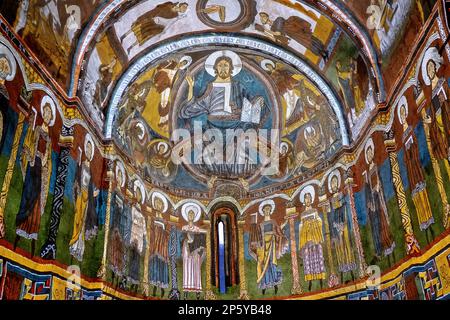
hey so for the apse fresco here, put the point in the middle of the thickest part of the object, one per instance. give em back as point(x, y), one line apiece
point(224, 150)
point(281, 98)
point(299, 27)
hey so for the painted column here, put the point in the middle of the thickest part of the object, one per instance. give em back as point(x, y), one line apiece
point(412, 245)
point(209, 295)
point(333, 279)
point(355, 224)
point(109, 178)
point(48, 250)
point(291, 215)
point(174, 292)
point(242, 276)
point(9, 172)
point(437, 171)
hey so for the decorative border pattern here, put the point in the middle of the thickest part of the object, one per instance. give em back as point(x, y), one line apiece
point(431, 268)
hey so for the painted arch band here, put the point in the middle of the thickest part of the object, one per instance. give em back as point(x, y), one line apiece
point(335, 11)
point(227, 41)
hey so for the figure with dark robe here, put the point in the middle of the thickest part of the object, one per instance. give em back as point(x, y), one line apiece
point(36, 165)
point(137, 237)
point(416, 177)
point(377, 212)
point(340, 231)
point(159, 248)
point(126, 225)
point(134, 271)
point(437, 118)
point(116, 248)
point(146, 26)
point(295, 28)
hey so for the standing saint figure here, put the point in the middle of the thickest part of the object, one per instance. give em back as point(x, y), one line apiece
point(159, 245)
point(339, 228)
point(439, 119)
point(193, 250)
point(116, 248)
point(165, 76)
point(149, 25)
point(416, 177)
point(376, 208)
point(281, 30)
point(85, 223)
point(267, 245)
point(36, 165)
point(137, 236)
point(311, 239)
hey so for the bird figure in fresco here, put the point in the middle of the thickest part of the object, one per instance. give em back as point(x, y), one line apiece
point(220, 10)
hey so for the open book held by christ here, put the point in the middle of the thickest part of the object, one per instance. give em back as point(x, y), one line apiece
point(251, 111)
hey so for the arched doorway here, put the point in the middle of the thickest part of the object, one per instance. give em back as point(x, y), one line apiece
point(225, 246)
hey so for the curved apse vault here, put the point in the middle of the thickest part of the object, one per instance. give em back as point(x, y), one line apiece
point(224, 150)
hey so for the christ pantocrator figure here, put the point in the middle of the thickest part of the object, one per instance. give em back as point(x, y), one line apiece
point(224, 98)
point(225, 103)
